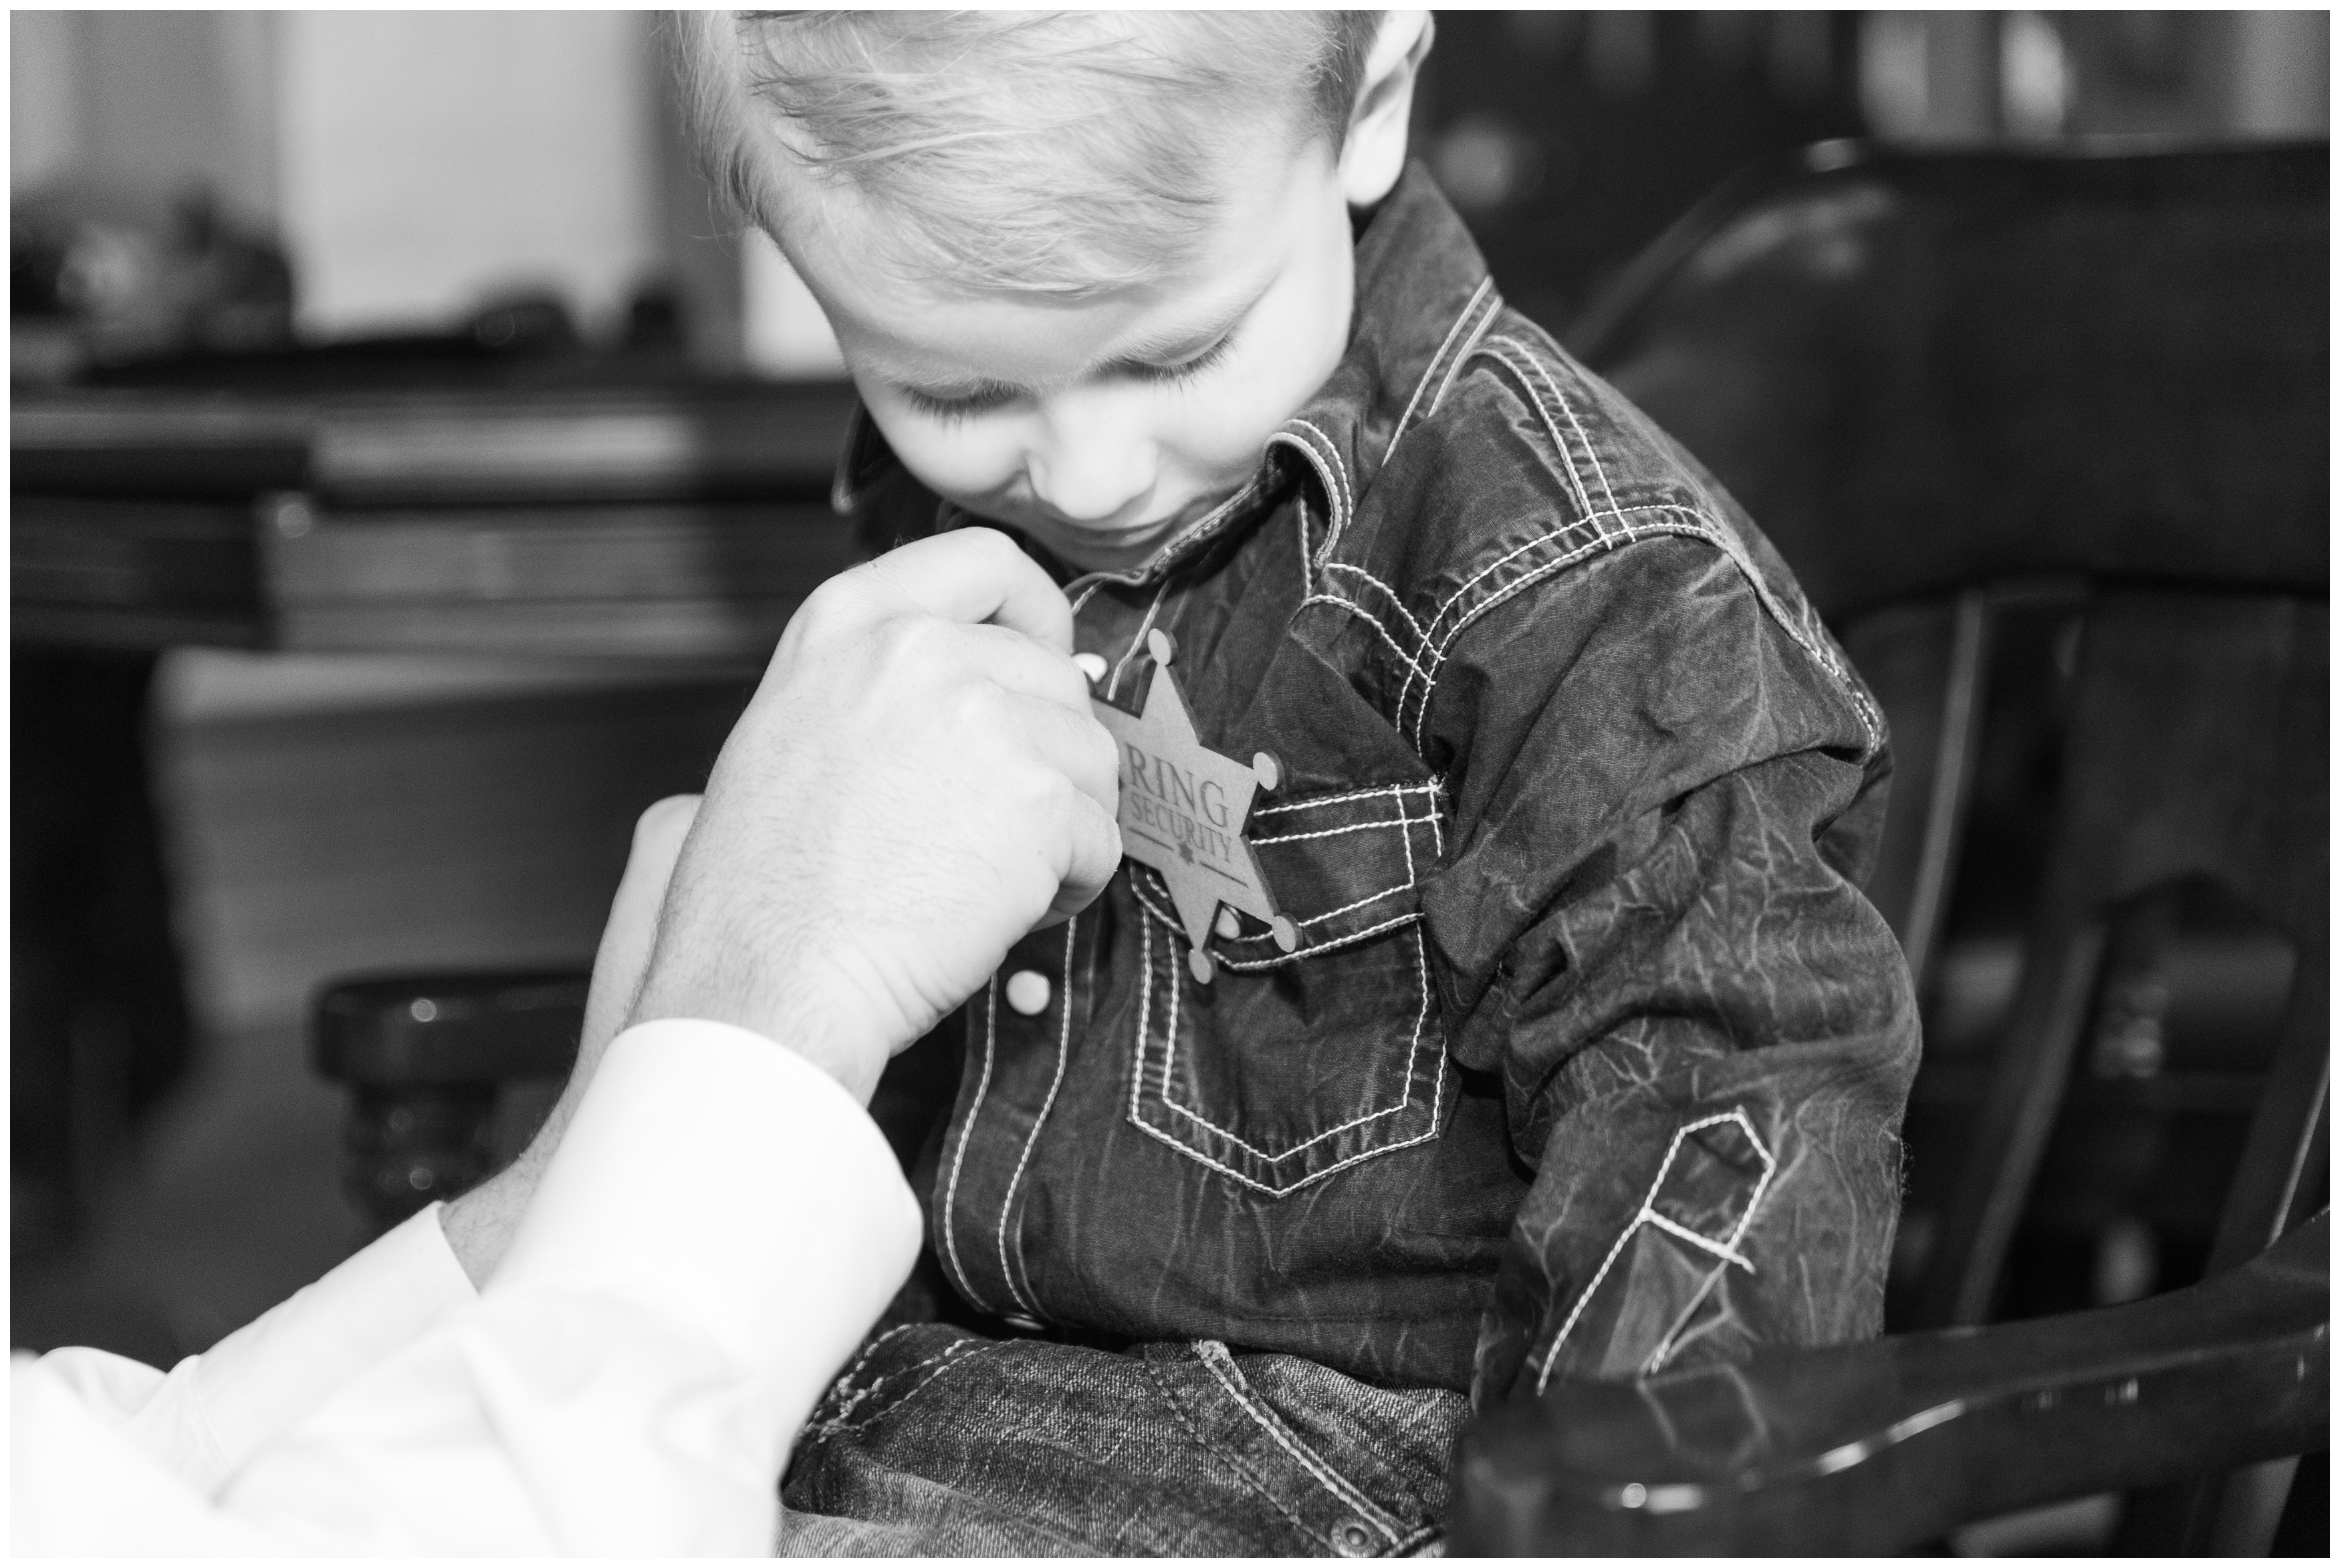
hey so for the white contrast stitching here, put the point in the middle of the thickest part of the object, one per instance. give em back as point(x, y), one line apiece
point(1494, 309)
point(1373, 621)
point(836, 1422)
point(1497, 348)
point(1336, 489)
point(1137, 639)
point(1209, 524)
point(1437, 1101)
point(1144, 1007)
point(1348, 497)
point(1412, 1050)
point(1468, 306)
point(845, 1378)
point(1063, 1054)
point(1502, 350)
point(975, 1110)
point(1695, 1239)
point(1173, 923)
point(1300, 512)
point(1253, 965)
point(1406, 838)
point(1389, 593)
point(1331, 501)
point(1648, 1216)
point(1170, 1023)
point(1258, 811)
point(1591, 453)
point(1137, 1073)
point(1701, 527)
point(1325, 1475)
point(1327, 833)
point(951, 1355)
point(1526, 579)
point(1602, 540)
point(1511, 352)
point(1601, 537)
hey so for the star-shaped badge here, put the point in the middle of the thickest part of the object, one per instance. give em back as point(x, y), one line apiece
point(1183, 810)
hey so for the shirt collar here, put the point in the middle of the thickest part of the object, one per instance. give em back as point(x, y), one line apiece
point(1423, 301)
point(1423, 298)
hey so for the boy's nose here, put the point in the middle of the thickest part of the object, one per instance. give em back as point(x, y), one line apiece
point(1087, 470)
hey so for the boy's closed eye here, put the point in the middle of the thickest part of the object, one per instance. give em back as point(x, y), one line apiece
point(985, 396)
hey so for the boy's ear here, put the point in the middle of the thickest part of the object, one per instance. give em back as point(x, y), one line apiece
point(1374, 153)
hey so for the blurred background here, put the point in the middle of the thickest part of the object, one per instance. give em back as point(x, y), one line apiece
point(192, 184)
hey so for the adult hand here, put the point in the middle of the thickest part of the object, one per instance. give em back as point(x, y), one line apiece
point(917, 781)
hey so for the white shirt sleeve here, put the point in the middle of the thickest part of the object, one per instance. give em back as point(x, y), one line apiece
point(719, 1227)
point(211, 1411)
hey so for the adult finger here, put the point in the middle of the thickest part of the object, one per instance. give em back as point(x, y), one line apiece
point(1019, 663)
point(1093, 853)
point(972, 575)
point(626, 938)
point(1073, 744)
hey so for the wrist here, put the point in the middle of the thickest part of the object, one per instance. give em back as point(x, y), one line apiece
point(836, 1040)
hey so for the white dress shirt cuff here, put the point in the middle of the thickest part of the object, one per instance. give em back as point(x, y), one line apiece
point(753, 1144)
point(257, 1383)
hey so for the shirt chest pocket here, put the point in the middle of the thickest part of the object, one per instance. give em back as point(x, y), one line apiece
point(1286, 1068)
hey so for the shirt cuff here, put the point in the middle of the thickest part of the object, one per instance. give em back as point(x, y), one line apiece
point(257, 1383)
point(729, 1185)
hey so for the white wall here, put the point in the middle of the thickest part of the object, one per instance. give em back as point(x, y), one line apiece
point(783, 334)
point(429, 157)
point(43, 97)
point(144, 101)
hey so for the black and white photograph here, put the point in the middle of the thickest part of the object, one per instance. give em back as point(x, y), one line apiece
point(1177, 784)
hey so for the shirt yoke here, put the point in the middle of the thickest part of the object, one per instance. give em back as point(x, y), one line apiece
point(1518, 465)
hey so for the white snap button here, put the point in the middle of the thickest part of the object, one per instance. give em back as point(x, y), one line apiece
point(1027, 991)
point(1090, 664)
point(1351, 1539)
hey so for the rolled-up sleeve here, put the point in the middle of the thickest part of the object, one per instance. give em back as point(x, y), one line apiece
point(1704, 1033)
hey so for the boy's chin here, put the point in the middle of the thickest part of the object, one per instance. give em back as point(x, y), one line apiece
point(1097, 550)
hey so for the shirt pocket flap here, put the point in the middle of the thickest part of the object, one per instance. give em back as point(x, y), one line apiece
point(1342, 867)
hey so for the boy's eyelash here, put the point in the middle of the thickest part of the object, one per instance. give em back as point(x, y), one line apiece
point(980, 400)
point(1173, 374)
point(985, 399)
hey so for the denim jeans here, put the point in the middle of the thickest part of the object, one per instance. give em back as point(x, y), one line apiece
point(940, 1442)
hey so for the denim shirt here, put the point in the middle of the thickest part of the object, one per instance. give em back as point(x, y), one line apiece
point(1590, 1058)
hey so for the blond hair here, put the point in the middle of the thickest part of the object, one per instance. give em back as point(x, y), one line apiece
point(1059, 153)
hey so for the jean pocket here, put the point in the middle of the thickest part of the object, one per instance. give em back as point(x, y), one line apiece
point(1288, 1066)
point(1350, 1470)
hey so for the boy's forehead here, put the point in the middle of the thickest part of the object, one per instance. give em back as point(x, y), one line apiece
point(903, 323)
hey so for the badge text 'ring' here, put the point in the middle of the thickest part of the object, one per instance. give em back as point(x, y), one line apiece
point(1183, 810)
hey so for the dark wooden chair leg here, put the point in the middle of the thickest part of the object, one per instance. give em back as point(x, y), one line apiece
point(426, 1058)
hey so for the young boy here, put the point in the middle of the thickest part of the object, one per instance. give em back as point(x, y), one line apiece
point(1580, 1052)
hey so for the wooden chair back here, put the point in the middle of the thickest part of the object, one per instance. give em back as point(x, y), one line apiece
point(1956, 387)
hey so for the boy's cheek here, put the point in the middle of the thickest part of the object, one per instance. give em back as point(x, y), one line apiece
point(958, 463)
